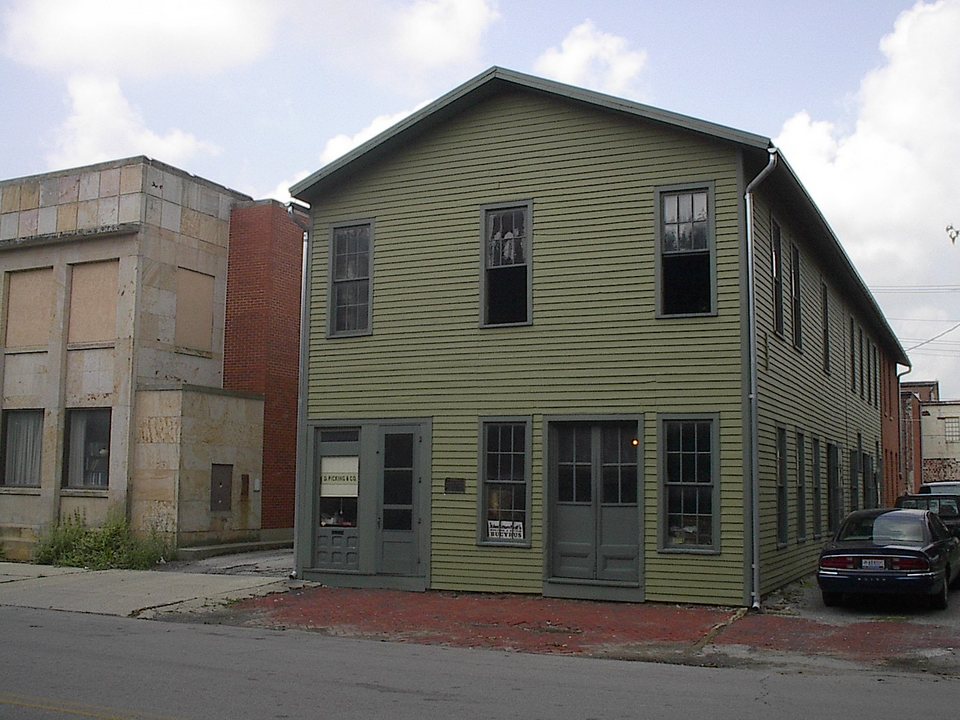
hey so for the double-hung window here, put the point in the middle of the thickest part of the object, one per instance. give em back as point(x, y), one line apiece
point(796, 299)
point(351, 271)
point(20, 448)
point(776, 261)
point(686, 248)
point(505, 482)
point(505, 248)
point(691, 483)
point(782, 529)
point(87, 448)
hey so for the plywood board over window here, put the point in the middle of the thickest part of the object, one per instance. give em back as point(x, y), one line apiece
point(93, 302)
point(194, 328)
point(29, 308)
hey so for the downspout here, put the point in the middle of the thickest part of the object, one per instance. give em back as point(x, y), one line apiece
point(900, 436)
point(752, 397)
point(301, 490)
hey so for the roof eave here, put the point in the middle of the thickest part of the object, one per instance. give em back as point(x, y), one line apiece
point(304, 189)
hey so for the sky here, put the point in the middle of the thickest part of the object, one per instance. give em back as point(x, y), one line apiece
point(861, 96)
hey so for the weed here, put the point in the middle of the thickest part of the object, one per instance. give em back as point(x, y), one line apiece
point(113, 545)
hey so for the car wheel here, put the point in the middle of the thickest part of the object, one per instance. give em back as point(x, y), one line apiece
point(830, 599)
point(942, 598)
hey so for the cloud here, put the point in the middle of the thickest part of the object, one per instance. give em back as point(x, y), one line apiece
point(126, 39)
point(888, 186)
point(102, 125)
point(437, 33)
point(590, 58)
point(342, 144)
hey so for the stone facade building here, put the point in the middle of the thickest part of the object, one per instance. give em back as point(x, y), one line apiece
point(113, 293)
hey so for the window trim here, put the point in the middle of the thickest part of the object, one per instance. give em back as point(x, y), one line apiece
point(663, 545)
point(483, 423)
point(66, 485)
point(800, 452)
point(690, 186)
point(783, 514)
point(817, 470)
point(796, 297)
point(485, 210)
point(825, 321)
point(776, 275)
point(331, 310)
point(4, 449)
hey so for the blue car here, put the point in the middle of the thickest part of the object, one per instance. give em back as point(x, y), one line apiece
point(890, 551)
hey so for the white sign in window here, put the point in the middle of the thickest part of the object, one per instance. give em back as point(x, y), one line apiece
point(339, 476)
point(505, 529)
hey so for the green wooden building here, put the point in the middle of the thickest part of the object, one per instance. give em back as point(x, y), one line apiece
point(567, 344)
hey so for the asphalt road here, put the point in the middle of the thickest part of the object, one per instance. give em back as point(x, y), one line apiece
point(71, 665)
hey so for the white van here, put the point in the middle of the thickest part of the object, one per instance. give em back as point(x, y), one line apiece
point(946, 487)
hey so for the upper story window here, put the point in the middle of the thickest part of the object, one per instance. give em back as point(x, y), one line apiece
point(951, 429)
point(795, 298)
point(825, 322)
point(506, 265)
point(776, 261)
point(351, 266)
point(686, 252)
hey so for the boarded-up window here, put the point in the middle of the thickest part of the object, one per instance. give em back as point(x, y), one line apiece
point(194, 310)
point(93, 302)
point(29, 308)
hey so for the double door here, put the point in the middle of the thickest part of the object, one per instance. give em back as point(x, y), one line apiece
point(594, 498)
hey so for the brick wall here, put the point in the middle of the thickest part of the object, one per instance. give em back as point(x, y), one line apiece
point(262, 340)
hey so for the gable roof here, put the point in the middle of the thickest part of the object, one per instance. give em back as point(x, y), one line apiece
point(492, 81)
point(497, 79)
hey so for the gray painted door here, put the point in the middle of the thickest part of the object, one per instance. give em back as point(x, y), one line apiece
point(594, 491)
point(398, 518)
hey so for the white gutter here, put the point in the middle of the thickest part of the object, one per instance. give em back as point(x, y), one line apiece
point(752, 398)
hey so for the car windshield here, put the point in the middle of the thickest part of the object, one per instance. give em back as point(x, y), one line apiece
point(886, 528)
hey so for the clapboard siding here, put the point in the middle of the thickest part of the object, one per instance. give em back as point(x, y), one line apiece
point(594, 346)
point(795, 393)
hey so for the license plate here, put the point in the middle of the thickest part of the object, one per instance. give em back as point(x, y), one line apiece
point(872, 564)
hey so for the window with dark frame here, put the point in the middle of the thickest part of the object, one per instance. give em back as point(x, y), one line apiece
point(87, 448)
point(20, 448)
point(796, 298)
point(825, 322)
point(860, 363)
point(506, 265)
point(817, 490)
point(505, 480)
point(834, 493)
point(350, 271)
point(801, 487)
point(853, 357)
point(782, 528)
point(776, 260)
point(689, 474)
point(854, 480)
point(686, 286)
point(951, 429)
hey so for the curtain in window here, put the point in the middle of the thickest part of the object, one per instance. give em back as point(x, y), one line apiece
point(23, 441)
point(78, 428)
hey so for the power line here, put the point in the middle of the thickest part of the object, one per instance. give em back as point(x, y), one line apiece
point(935, 337)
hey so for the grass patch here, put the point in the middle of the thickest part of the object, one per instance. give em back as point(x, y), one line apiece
point(72, 543)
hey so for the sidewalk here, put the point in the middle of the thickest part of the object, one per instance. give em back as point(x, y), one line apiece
point(793, 630)
point(125, 593)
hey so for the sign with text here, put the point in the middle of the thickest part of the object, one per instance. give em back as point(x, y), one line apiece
point(339, 476)
point(504, 530)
